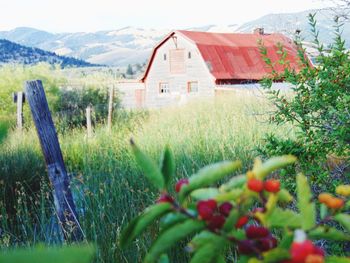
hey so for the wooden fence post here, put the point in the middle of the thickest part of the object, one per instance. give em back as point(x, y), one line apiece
point(88, 122)
point(64, 203)
point(19, 98)
point(110, 108)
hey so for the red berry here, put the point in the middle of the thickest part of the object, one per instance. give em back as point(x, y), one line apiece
point(216, 222)
point(206, 208)
point(272, 186)
point(266, 243)
point(318, 251)
point(180, 183)
point(242, 221)
point(256, 232)
point(246, 247)
point(225, 208)
point(165, 198)
point(300, 250)
point(255, 185)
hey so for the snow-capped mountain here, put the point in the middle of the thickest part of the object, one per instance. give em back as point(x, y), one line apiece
point(133, 45)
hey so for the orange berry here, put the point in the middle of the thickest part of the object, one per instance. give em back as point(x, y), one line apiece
point(314, 259)
point(272, 186)
point(335, 203)
point(255, 185)
point(324, 198)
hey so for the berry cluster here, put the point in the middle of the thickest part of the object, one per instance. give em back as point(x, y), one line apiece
point(271, 186)
point(214, 215)
point(305, 252)
point(259, 239)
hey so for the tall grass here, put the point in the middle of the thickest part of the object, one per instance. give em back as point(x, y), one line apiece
point(108, 186)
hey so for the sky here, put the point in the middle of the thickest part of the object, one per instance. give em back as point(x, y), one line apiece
point(94, 15)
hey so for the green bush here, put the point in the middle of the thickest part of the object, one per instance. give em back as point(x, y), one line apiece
point(319, 107)
point(70, 107)
point(246, 214)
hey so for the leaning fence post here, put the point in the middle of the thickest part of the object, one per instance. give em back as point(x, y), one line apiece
point(88, 122)
point(110, 108)
point(64, 203)
point(19, 99)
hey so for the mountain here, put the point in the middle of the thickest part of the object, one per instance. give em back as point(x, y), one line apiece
point(288, 23)
point(116, 47)
point(133, 45)
point(11, 52)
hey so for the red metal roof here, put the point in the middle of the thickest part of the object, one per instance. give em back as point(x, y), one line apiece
point(237, 56)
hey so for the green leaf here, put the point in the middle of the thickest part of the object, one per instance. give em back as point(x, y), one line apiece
point(164, 259)
point(306, 206)
point(204, 193)
point(66, 254)
point(168, 165)
point(208, 247)
point(229, 196)
point(284, 218)
point(328, 233)
point(344, 220)
point(334, 259)
point(171, 219)
point(287, 240)
point(284, 196)
point(171, 236)
point(231, 220)
point(276, 255)
point(209, 175)
point(323, 211)
point(150, 169)
point(273, 164)
point(140, 223)
point(235, 182)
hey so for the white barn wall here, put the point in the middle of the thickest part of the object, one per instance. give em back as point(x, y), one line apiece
point(195, 70)
point(127, 91)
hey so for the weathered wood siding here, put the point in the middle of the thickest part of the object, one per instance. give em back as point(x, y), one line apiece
point(131, 93)
point(160, 72)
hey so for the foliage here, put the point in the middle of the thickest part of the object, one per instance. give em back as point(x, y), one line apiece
point(71, 105)
point(228, 218)
point(11, 52)
point(40, 254)
point(320, 105)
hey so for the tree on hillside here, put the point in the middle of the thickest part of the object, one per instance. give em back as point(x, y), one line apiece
point(129, 70)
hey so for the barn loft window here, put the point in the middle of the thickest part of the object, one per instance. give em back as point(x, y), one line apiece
point(189, 55)
point(177, 61)
point(164, 57)
point(164, 88)
point(192, 86)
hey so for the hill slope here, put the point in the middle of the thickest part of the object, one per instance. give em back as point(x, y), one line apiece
point(133, 45)
point(11, 52)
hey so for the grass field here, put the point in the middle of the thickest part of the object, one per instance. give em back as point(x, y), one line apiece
point(108, 186)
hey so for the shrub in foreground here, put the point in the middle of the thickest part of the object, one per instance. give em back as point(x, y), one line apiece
point(245, 213)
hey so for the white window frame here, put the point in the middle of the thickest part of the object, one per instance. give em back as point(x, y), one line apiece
point(164, 88)
point(189, 90)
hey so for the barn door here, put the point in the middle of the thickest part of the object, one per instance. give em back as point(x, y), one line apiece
point(139, 97)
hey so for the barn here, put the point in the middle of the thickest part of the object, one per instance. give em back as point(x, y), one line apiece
point(190, 64)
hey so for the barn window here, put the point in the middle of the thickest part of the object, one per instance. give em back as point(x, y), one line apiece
point(164, 57)
point(189, 55)
point(164, 88)
point(177, 61)
point(192, 86)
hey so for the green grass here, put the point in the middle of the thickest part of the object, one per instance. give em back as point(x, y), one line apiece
point(107, 184)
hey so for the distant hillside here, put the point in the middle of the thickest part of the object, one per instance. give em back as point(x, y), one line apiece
point(133, 45)
point(288, 23)
point(11, 52)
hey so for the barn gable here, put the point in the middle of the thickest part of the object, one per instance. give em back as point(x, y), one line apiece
point(236, 56)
